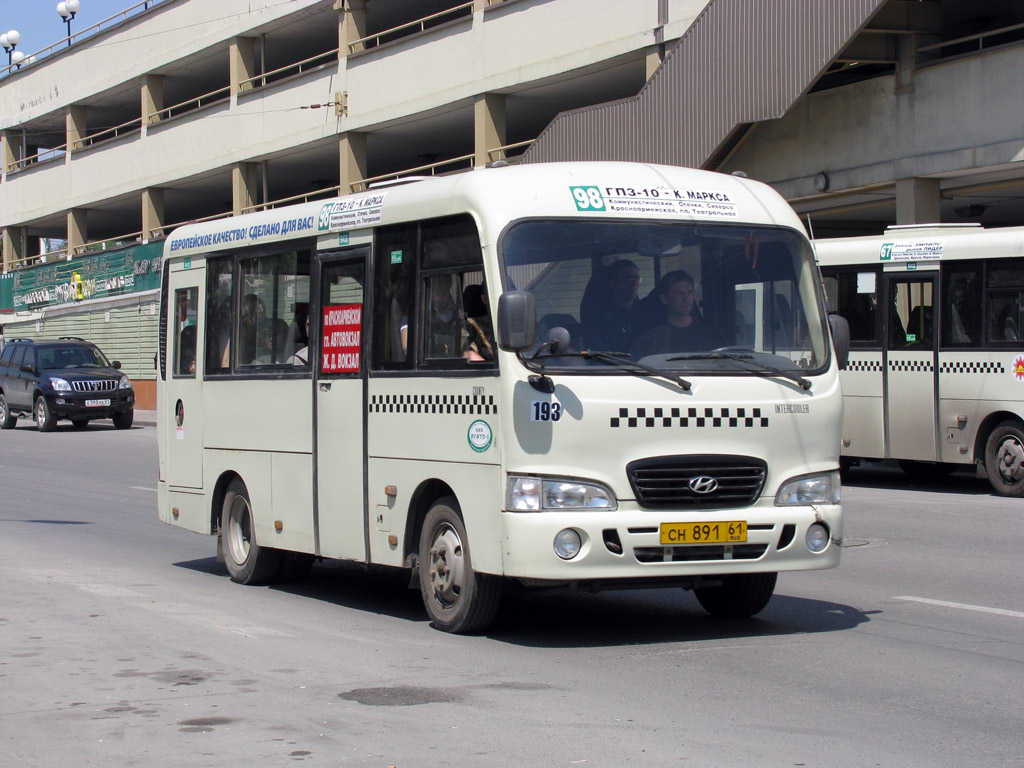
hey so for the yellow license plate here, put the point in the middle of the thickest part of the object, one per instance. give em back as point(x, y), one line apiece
point(713, 532)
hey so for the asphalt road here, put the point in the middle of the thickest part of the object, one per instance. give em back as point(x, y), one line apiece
point(123, 643)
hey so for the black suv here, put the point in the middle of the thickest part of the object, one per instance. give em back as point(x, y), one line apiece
point(64, 379)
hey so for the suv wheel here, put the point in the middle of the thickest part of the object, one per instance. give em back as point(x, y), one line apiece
point(45, 420)
point(123, 420)
point(7, 419)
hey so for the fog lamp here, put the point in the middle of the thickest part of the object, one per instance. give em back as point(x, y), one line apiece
point(817, 537)
point(567, 544)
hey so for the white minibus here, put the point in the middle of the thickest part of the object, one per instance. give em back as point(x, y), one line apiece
point(582, 375)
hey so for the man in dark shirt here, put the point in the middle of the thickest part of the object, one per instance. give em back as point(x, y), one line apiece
point(683, 330)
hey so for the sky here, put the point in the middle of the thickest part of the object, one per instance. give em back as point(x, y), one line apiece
point(40, 25)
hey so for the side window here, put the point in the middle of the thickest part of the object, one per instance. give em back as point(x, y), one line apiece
point(961, 305)
point(911, 320)
point(7, 354)
point(30, 356)
point(456, 327)
point(186, 319)
point(219, 311)
point(1005, 304)
point(272, 301)
point(855, 296)
point(19, 355)
point(395, 322)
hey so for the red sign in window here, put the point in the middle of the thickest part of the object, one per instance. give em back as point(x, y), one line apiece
point(343, 334)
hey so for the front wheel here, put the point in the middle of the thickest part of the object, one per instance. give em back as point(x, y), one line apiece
point(247, 561)
point(7, 419)
point(457, 598)
point(45, 420)
point(123, 420)
point(741, 595)
point(1004, 459)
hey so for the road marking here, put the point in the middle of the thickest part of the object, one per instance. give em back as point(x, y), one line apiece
point(964, 606)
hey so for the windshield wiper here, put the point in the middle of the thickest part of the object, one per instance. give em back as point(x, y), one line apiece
point(616, 359)
point(748, 360)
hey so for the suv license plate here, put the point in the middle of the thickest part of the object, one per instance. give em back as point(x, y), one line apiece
point(712, 532)
point(97, 403)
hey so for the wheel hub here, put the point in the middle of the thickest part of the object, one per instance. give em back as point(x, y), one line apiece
point(1010, 460)
point(447, 566)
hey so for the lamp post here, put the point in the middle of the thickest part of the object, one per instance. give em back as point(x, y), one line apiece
point(9, 41)
point(67, 11)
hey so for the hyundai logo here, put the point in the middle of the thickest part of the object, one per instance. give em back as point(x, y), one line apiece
point(703, 484)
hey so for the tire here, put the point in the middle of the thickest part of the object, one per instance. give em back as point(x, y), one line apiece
point(457, 599)
point(1004, 459)
point(80, 423)
point(247, 561)
point(740, 596)
point(45, 421)
point(123, 420)
point(7, 419)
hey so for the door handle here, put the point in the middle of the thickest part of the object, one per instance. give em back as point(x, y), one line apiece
point(325, 386)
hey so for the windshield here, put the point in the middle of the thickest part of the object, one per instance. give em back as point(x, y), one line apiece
point(72, 356)
point(721, 299)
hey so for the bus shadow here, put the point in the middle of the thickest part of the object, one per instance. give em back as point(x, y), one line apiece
point(886, 475)
point(564, 619)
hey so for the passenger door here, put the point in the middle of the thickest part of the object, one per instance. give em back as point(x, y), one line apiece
point(911, 380)
point(184, 401)
point(340, 406)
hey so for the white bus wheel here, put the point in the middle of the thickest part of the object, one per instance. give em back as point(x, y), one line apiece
point(247, 561)
point(741, 595)
point(1004, 459)
point(457, 598)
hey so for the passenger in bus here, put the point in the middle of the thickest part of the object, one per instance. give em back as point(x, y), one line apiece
point(301, 356)
point(187, 351)
point(253, 312)
point(480, 346)
point(683, 329)
point(607, 310)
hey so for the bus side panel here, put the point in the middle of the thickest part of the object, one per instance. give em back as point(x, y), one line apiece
point(185, 509)
point(863, 406)
point(477, 487)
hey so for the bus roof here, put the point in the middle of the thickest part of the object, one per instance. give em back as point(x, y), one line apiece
point(922, 242)
point(499, 195)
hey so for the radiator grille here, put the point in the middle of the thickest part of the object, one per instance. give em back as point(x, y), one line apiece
point(94, 385)
point(677, 481)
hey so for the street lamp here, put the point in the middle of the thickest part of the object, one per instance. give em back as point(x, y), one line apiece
point(10, 41)
point(67, 11)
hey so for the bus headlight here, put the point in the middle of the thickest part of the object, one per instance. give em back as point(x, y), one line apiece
point(533, 494)
point(821, 488)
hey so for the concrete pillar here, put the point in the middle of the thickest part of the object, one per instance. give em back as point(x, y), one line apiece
point(479, 5)
point(152, 213)
point(244, 187)
point(917, 201)
point(152, 98)
point(488, 127)
point(74, 121)
point(352, 161)
point(14, 244)
point(653, 61)
point(78, 229)
point(242, 64)
point(353, 26)
point(11, 150)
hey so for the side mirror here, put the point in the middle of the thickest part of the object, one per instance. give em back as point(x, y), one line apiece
point(28, 368)
point(840, 329)
point(517, 321)
point(116, 364)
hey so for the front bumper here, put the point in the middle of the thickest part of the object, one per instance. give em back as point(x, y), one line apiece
point(775, 542)
point(91, 405)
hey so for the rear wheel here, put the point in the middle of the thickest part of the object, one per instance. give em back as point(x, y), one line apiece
point(7, 419)
point(741, 595)
point(45, 420)
point(1004, 459)
point(457, 598)
point(123, 420)
point(247, 561)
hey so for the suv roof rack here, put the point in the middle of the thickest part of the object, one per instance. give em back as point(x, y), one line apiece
point(11, 341)
point(70, 338)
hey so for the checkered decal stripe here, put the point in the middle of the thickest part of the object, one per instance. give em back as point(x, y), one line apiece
point(864, 365)
point(689, 417)
point(475, 405)
point(968, 367)
point(917, 366)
